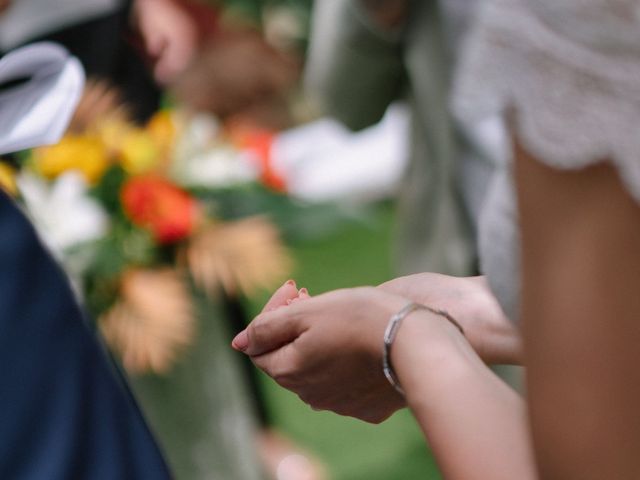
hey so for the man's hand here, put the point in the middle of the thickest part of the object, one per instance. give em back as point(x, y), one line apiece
point(471, 303)
point(169, 36)
point(327, 349)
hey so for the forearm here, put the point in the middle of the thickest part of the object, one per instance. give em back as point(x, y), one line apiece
point(475, 424)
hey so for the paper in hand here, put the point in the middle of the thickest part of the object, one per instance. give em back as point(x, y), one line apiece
point(40, 86)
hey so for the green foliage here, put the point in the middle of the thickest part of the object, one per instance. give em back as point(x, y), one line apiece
point(108, 190)
point(297, 220)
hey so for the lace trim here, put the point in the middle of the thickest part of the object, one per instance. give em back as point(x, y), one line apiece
point(576, 106)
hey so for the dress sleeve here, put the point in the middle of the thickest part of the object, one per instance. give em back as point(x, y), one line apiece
point(569, 71)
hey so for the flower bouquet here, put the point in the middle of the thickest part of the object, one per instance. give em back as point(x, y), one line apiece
point(141, 216)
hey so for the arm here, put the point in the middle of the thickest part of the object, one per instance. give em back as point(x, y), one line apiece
point(354, 66)
point(475, 424)
point(327, 349)
point(494, 338)
point(581, 308)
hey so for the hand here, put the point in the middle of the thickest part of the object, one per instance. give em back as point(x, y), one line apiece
point(169, 36)
point(327, 349)
point(471, 303)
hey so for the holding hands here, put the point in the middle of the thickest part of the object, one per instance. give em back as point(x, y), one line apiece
point(328, 349)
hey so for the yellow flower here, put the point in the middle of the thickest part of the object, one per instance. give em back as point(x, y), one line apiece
point(86, 154)
point(8, 179)
point(162, 129)
point(138, 152)
point(112, 131)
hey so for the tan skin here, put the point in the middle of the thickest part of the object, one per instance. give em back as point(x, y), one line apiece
point(470, 301)
point(580, 231)
point(581, 268)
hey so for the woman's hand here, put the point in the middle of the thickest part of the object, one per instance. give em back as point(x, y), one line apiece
point(327, 349)
point(471, 303)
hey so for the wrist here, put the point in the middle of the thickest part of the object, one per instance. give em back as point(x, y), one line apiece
point(494, 337)
point(427, 350)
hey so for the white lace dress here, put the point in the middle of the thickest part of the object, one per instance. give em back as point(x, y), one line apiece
point(571, 70)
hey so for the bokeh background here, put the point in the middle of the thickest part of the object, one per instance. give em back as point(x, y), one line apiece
point(136, 198)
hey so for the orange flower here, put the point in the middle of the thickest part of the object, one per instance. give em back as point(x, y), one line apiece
point(159, 206)
point(259, 142)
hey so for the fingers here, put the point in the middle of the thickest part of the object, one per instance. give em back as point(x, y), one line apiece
point(281, 365)
point(270, 331)
point(303, 294)
point(285, 293)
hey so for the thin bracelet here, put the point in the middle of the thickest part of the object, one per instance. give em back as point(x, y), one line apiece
point(392, 330)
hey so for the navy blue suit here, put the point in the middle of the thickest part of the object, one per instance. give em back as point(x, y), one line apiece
point(65, 411)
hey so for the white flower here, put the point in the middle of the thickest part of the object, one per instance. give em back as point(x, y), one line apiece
point(221, 166)
point(63, 212)
point(201, 159)
point(199, 134)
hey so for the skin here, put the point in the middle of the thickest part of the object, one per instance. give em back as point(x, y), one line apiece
point(580, 311)
point(169, 36)
point(579, 314)
point(470, 301)
point(291, 342)
point(327, 349)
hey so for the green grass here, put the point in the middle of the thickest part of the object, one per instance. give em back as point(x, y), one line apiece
point(357, 255)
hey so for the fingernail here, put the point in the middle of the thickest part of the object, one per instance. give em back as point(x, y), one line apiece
point(303, 291)
point(241, 341)
point(290, 282)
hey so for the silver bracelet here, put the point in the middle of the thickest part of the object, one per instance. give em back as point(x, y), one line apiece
point(392, 330)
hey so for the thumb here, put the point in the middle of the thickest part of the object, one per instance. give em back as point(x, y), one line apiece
point(270, 331)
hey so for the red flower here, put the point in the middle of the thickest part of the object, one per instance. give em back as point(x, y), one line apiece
point(153, 203)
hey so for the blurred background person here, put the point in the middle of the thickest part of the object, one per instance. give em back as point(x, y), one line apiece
point(366, 54)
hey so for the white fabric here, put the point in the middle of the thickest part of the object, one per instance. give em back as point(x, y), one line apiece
point(37, 111)
point(323, 161)
point(571, 72)
point(27, 19)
